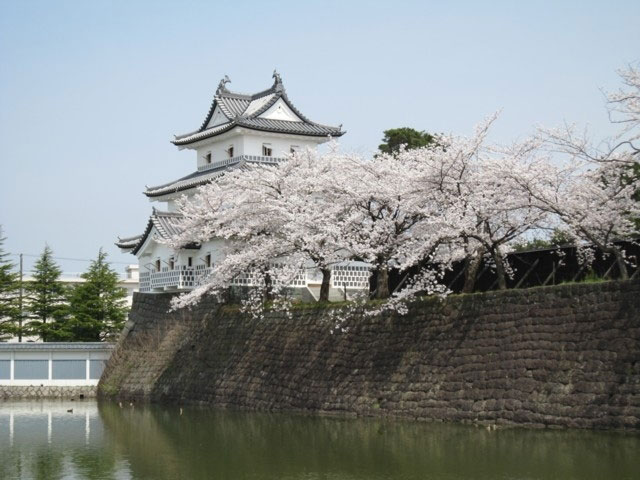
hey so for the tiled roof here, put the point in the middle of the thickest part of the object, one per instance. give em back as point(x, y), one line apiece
point(214, 171)
point(167, 224)
point(285, 126)
point(243, 111)
point(192, 180)
point(128, 242)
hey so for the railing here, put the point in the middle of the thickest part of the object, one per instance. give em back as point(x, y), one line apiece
point(251, 278)
point(350, 275)
point(181, 278)
point(238, 159)
point(219, 163)
point(145, 282)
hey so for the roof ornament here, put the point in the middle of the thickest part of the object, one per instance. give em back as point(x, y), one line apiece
point(222, 84)
point(278, 80)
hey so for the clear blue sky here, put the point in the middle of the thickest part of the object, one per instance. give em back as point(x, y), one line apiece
point(92, 92)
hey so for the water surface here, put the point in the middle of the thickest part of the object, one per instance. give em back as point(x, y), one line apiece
point(42, 440)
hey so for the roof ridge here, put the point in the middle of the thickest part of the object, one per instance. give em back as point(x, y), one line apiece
point(231, 104)
point(161, 213)
point(129, 239)
point(229, 93)
point(264, 93)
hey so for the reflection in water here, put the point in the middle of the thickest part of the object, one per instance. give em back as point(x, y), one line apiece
point(43, 440)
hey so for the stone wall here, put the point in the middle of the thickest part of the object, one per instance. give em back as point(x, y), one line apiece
point(567, 355)
point(40, 391)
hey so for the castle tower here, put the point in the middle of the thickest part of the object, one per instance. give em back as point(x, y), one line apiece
point(238, 129)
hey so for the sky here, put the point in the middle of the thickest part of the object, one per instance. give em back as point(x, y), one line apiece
point(91, 93)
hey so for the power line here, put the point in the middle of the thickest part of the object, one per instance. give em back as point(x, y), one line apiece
point(66, 258)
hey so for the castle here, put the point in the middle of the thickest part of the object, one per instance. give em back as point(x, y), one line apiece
point(238, 129)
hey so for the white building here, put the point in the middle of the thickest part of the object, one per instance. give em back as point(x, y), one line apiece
point(53, 363)
point(238, 129)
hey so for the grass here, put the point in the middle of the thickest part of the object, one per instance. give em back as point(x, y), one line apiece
point(590, 278)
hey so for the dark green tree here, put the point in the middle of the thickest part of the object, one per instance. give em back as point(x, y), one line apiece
point(9, 293)
point(46, 299)
point(98, 306)
point(411, 138)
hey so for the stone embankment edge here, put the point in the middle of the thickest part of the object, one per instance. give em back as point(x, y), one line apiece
point(13, 392)
point(562, 356)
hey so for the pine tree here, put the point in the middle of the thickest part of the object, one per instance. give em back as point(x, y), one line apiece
point(98, 306)
point(9, 292)
point(47, 299)
point(409, 137)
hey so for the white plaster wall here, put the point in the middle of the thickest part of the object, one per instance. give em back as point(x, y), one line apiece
point(249, 142)
point(170, 201)
point(279, 146)
point(171, 206)
point(54, 354)
point(280, 111)
point(151, 252)
point(217, 118)
point(218, 149)
point(214, 247)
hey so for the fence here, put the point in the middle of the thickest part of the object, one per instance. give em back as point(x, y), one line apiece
point(53, 364)
point(550, 266)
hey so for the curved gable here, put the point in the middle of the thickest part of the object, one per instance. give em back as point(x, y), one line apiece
point(281, 111)
point(217, 118)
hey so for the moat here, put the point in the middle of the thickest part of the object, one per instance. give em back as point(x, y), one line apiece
point(44, 440)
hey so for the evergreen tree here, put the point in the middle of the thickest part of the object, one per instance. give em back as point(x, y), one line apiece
point(9, 292)
point(98, 306)
point(47, 299)
point(409, 137)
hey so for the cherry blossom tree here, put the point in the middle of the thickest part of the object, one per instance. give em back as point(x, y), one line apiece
point(387, 223)
point(275, 221)
point(415, 210)
point(486, 208)
point(592, 200)
point(590, 186)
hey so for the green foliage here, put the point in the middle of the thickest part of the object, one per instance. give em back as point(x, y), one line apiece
point(98, 306)
point(9, 292)
point(593, 277)
point(47, 299)
point(557, 239)
point(396, 137)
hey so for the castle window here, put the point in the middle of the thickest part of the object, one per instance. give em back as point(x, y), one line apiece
point(207, 260)
point(158, 265)
point(207, 157)
point(190, 261)
point(230, 151)
point(172, 264)
point(266, 150)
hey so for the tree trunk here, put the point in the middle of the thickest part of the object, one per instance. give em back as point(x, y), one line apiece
point(268, 287)
point(471, 266)
point(382, 284)
point(326, 285)
point(622, 266)
point(499, 261)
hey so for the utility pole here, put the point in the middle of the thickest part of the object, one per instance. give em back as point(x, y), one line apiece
point(20, 304)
